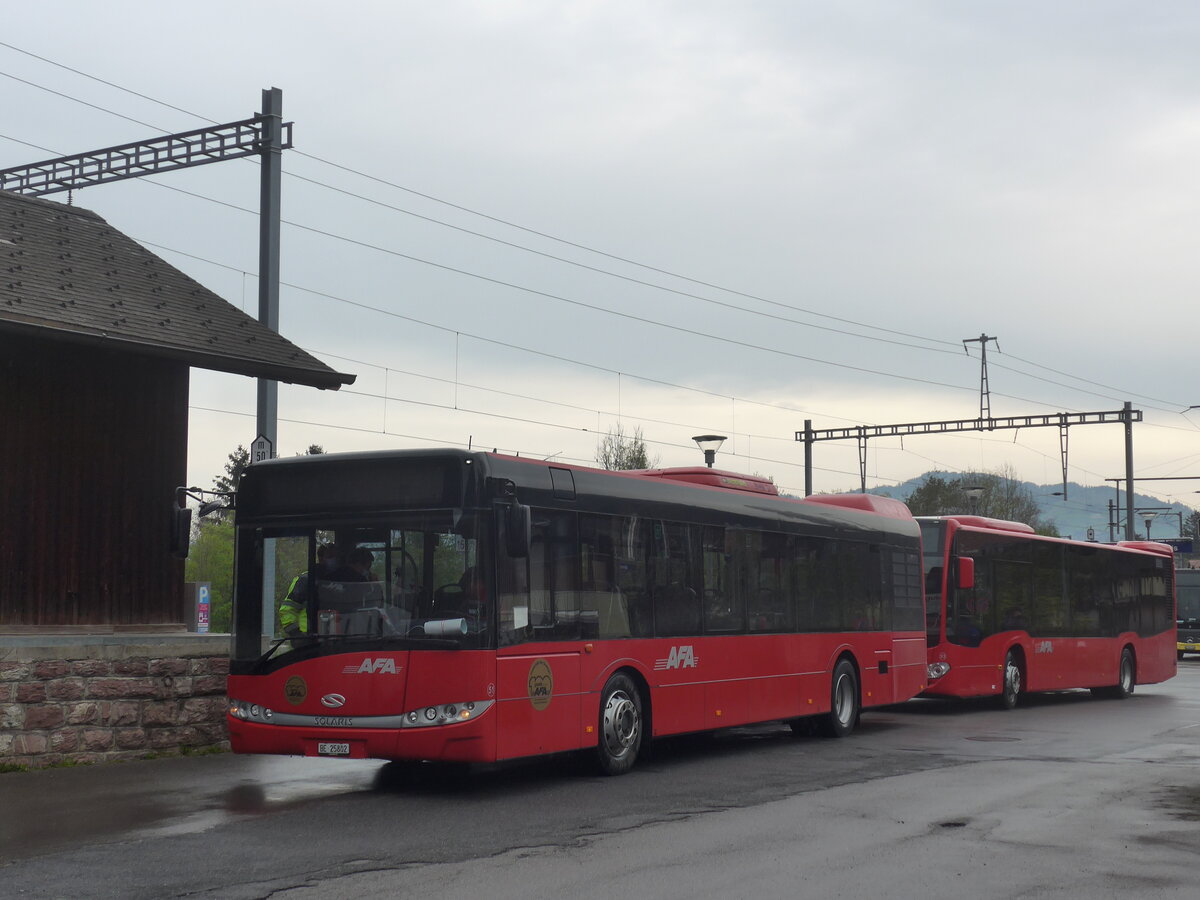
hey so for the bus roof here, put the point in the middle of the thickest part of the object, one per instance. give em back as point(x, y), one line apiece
point(1151, 546)
point(755, 484)
point(872, 503)
point(982, 522)
point(286, 489)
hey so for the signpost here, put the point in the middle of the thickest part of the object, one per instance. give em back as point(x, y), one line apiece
point(203, 606)
point(261, 449)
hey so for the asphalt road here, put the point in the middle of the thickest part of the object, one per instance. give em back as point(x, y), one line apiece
point(1067, 796)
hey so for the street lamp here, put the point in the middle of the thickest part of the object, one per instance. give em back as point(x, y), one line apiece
point(973, 493)
point(1148, 517)
point(710, 444)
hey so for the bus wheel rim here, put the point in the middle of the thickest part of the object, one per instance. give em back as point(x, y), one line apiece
point(621, 724)
point(1012, 678)
point(844, 700)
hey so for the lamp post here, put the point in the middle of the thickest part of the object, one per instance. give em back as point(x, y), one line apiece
point(973, 493)
point(1148, 517)
point(710, 444)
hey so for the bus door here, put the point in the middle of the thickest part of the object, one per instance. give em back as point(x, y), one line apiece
point(538, 663)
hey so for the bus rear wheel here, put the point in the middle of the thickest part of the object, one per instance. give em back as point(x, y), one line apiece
point(1011, 692)
point(621, 726)
point(843, 701)
point(1126, 679)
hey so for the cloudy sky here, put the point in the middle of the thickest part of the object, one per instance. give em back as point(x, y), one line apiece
point(524, 223)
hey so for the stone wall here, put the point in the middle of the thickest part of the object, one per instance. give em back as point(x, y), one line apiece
point(90, 699)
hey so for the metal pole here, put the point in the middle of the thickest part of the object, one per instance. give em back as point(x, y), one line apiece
point(808, 445)
point(862, 462)
point(268, 250)
point(268, 303)
point(1128, 415)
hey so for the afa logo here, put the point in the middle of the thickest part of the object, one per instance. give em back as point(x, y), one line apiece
point(541, 684)
point(295, 690)
point(384, 665)
point(1043, 647)
point(680, 658)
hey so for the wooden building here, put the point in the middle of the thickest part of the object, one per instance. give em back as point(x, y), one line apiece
point(97, 335)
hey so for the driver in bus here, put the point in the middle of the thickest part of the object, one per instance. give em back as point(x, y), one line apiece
point(293, 621)
point(357, 568)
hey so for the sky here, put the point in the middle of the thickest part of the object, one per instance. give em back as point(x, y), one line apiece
point(523, 224)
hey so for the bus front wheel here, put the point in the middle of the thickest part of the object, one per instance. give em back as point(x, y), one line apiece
point(1011, 692)
point(621, 725)
point(843, 703)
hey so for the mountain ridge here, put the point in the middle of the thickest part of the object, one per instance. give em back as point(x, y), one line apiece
point(1084, 507)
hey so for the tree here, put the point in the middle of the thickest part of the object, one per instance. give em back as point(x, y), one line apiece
point(238, 462)
point(1191, 525)
point(937, 497)
point(210, 556)
point(1001, 496)
point(617, 450)
point(210, 559)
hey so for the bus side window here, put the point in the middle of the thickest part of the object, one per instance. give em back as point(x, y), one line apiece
point(603, 606)
point(554, 572)
point(674, 582)
point(512, 593)
point(630, 558)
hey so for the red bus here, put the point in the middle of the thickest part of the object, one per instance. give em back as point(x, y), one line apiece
point(1010, 611)
point(514, 607)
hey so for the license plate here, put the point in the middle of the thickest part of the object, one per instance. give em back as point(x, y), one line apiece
point(326, 748)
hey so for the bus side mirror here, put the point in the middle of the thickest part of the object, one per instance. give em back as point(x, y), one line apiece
point(181, 530)
point(518, 524)
point(966, 573)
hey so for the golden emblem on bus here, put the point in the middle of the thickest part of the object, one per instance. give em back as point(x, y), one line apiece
point(295, 690)
point(541, 684)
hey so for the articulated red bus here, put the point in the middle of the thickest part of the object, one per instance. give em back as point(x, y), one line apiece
point(1010, 611)
point(506, 607)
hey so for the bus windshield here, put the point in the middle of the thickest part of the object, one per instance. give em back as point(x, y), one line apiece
point(933, 540)
point(414, 580)
point(1188, 603)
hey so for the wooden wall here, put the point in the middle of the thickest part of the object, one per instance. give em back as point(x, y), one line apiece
point(92, 445)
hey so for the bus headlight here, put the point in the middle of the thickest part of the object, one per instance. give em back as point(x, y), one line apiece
point(937, 670)
point(249, 712)
point(445, 714)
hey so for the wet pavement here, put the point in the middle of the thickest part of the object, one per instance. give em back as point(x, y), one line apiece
point(1067, 796)
point(52, 809)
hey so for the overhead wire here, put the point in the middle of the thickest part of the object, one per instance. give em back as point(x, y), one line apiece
point(551, 237)
point(459, 443)
point(563, 299)
point(473, 212)
point(575, 263)
point(496, 341)
point(535, 232)
point(509, 345)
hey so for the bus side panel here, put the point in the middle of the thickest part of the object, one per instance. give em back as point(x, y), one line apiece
point(539, 703)
point(1156, 657)
point(872, 653)
point(746, 679)
point(786, 695)
point(909, 655)
point(1056, 664)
